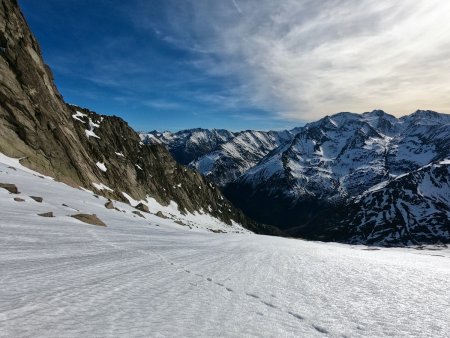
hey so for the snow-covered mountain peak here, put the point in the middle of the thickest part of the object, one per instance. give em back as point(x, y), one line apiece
point(336, 158)
point(219, 154)
point(293, 174)
point(426, 117)
point(187, 145)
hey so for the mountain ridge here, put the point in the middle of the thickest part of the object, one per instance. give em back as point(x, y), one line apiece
point(325, 164)
point(220, 161)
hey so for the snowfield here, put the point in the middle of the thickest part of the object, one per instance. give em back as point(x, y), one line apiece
point(151, 277)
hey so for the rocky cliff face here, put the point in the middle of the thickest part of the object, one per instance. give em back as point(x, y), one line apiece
point(35, 121)
point(82, 148)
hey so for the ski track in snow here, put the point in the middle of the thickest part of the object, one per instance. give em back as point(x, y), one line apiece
point(63, 278)
point(203, 279)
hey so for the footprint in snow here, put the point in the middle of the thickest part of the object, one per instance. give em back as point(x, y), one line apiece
point(252, 295)
point(320, 329)
point(269, 304)
point(220, 284)
point(187, 271)
point(229, 290)
point(209, 279)
point(296, 315)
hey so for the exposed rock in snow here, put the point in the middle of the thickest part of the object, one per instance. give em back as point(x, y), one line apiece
point(10, 187)
point(46, 214)
point(143, 207)
point(89, 219)
point(37, 198)
point(109, 205)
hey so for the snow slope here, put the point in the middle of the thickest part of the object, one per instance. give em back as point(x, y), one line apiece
point(81, 200)
point(150, 277)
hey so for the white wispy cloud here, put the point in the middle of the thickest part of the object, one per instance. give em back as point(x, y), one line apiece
point(236, 6)
point(303, 59)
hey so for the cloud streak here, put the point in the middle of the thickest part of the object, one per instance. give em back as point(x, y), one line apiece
point(237, 6)
point(305, 59)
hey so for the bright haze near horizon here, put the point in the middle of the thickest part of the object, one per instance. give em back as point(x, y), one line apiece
point(256, 64)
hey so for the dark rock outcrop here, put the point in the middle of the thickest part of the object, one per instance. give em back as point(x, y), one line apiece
point(142, 207)
point(47, 214)
point(12, 188)
point(161, 215)
point(109, 205)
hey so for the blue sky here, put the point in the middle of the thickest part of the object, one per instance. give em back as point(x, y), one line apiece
point(254, 64)
point(117, 57)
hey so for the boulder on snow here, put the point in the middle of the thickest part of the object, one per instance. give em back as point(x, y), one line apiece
point(89, 219)
point(17, 199)
point(109, 205)
point(160, 214)
point(12, 188)
point(47, 214)
point(37, 199)
point(142, 207)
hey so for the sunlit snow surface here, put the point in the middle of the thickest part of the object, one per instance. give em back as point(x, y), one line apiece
point(151, 278)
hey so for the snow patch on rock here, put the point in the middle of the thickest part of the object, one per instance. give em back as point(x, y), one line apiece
point(101, 166)
point(101, 186)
